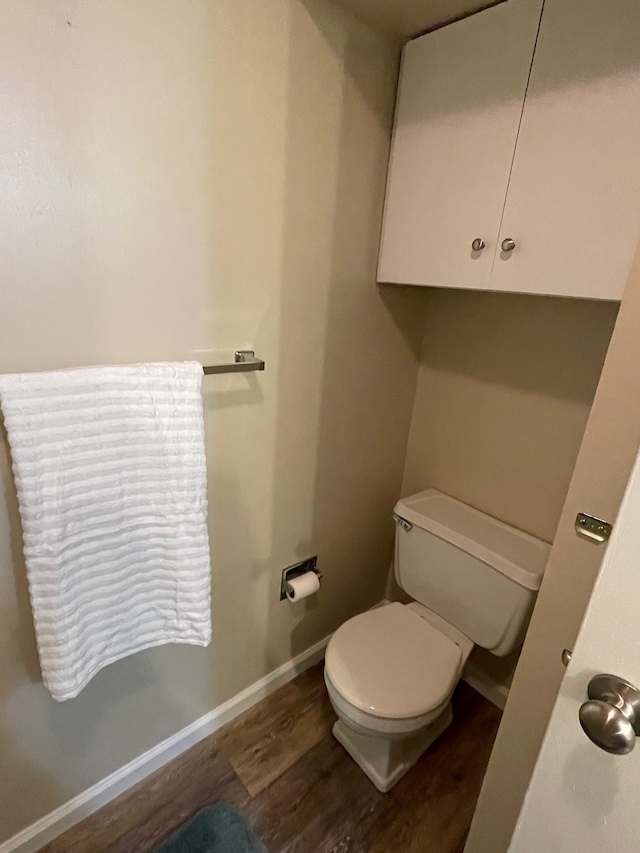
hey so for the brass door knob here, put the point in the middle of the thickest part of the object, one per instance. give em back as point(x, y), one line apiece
point(508, 245)
point(478, 244)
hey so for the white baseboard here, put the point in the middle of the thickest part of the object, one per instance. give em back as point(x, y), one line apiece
point(493, 690)
point(32, 838)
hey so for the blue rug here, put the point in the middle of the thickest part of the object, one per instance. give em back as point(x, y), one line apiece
point(215, 829)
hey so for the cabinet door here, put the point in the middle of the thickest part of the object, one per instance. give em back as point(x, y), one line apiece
point(460, 102)
point(573, 204)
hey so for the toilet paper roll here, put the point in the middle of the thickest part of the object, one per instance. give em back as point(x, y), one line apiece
point(302, 586)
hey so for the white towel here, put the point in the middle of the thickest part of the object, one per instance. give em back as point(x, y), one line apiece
point(110, 472)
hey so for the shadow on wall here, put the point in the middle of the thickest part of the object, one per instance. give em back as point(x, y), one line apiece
point(545, 345)
point(505, 389)
point(41, 786)
point(17, 641)
point(351, 362)
point(25, 632)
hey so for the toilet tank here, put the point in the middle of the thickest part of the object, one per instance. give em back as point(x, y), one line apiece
point(478, 574)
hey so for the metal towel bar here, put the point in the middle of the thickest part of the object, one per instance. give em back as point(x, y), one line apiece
point(244, 361)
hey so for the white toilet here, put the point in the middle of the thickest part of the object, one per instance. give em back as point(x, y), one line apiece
point(390, 672)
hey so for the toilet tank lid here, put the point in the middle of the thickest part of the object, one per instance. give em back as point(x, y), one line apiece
point(516, 554)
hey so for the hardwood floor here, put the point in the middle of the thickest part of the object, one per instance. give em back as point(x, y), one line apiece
point(280, 764)
point(266, 741)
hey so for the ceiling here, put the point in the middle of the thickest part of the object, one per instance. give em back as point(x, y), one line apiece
point(403, 18)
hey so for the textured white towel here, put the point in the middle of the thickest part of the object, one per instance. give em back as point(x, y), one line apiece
point(110, 471)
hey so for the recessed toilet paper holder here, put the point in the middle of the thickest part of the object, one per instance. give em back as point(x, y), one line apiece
point(288, 574)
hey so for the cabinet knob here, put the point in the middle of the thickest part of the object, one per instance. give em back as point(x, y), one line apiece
point(508, 245)
point(478, 244)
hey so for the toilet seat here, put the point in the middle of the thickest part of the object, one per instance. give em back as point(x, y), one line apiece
point(389, 663)
point(368, 724)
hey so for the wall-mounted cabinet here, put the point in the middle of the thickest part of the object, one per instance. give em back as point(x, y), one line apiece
point(537, 152)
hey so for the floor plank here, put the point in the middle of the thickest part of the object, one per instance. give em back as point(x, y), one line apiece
point(266, 740)
point(280, 764)
point(317, 804)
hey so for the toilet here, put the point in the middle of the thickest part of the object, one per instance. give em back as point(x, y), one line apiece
point(390, 672)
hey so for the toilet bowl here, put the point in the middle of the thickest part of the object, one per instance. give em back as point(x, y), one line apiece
point(390, 672)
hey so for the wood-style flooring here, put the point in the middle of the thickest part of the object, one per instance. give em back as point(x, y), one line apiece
point(280, 764)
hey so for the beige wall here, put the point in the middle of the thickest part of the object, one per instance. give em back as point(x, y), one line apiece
point(180, 179)
point(607, 453)
point(505, 387)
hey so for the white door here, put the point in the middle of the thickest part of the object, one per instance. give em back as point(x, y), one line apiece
point(573, 204)
point(581, 798)
point(459, 105)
